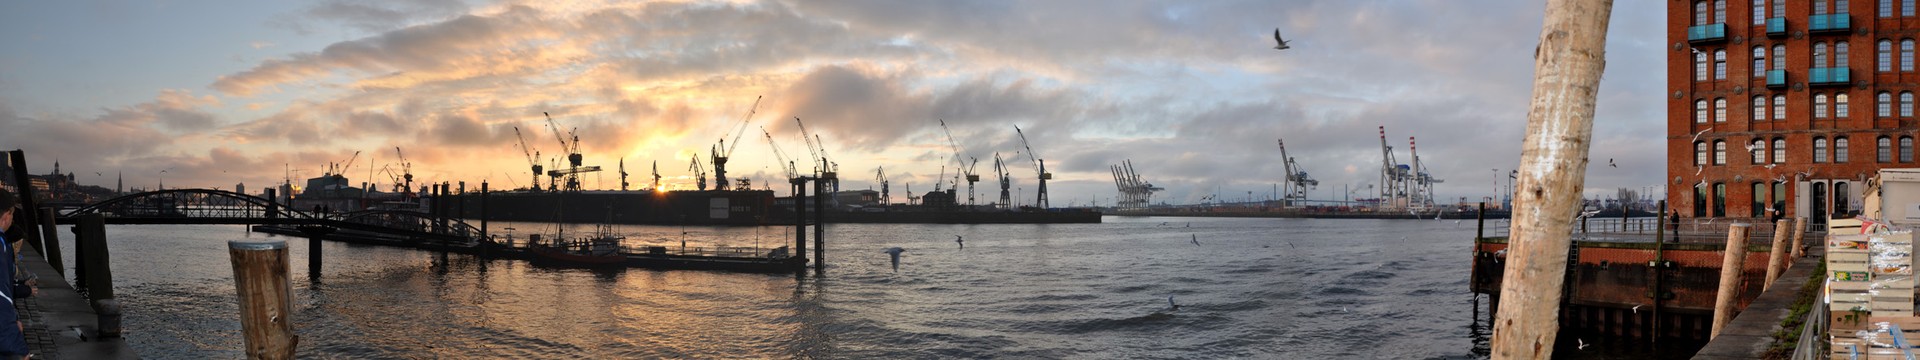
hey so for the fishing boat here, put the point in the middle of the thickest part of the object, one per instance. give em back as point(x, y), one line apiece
point(603, 248)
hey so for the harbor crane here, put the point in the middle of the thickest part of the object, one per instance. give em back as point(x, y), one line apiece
point(341, 168)
point(880, 176)
point(1298, 183)
point(1000, 168)
point(964, 167)
point(406, 172)
point(573, 170)
point(1421, 182)
point(623, 174)
point(1392, 175)
point(786, 166)
point(722, 151)
point(1039, 166)
point(656, 175)
point(533, 157)
point(699, 173)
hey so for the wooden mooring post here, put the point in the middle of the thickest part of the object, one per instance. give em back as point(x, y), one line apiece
point(1777, 256)
point(1731, 272)
point(52, 251)
point(260, 278)
point(91, 236)
point(1659, 265)
point(1799, 231)
point(1553, 163)
point(29, 220)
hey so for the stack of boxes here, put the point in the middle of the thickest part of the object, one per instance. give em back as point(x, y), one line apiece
point(1870, 290)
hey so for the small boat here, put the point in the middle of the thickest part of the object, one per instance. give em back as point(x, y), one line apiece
point(603, 248)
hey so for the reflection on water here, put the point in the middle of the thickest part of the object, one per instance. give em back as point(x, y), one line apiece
point(1258, 288)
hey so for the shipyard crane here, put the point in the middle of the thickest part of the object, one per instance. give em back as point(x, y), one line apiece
point(1039, 167)
point(819, 158)
point(1297, 180)
point(880, 176)
point(699, 173)
point(533, 157)
point(964, 167)
point(786, 166)
point(911, 198)
point(623, 174)
point(722, 151)
point(341, 168)
point(406, 172)
point(656, 175)
point(573, 156)
point(1000, 168)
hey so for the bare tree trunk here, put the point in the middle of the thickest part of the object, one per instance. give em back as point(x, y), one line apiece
point(1553, 167)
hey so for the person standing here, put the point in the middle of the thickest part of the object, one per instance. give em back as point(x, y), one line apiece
point(13, 341)
point(1673, 223)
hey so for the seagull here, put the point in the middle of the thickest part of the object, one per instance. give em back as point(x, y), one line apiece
point(958, 240)
point(1696, 51)
point(1752, 147)
point(1290, 245)
point(895, 253)
point(1636, 310)
point(1189, 224)
point(1696, 136)
point(97, 173)
point(1696, 171)
point(1196, 239)
point(1610, 163)
point(1770, 166)
point(1170, 305)
point(1583, 344)
point(1282, 43)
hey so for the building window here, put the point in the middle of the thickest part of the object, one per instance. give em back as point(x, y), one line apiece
point(1883, 104)
point(1779, 107)
point(1720, 110)
point(1886, 56)
point(1820, 54)
point(1906, 7)
point(1700, 111)
point(1759, 205)
point(1700, 200)
point(1906, 55)
point(1720, 64)
point(1819, 7)
point(1779, 57)
point(1780, 196)
point(1779, 151)
point(1759, 61)
point(1719, 152)
point(1883, 149)
point(1759, 11)
point(1719, 199)
point(1720, 10)
point(1840, 197)
point(1759, 151)
point(1759, 108)
point(1906, 103)
point(1700, 13)
point(1819, 106)
point(1699, 66)
point(1905, 149)
point(1840, 105)
point(1886, 8)
point(1819, 199)
point(1840, 6)
point(1819, 150)
point(1840, 54)
point(1700, 153)
point(1839, 150)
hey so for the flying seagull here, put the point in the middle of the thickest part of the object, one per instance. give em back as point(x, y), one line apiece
point(1282, 42)
point(895, 253)
point(1696, 136)
point(1170, 305)
point(1583, 343)
point(1196, 239)
point(1610, 163)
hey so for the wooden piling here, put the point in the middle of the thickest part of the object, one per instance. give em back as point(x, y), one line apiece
point(799, 217)
point(1777, 257)
point(29, 220)
point(1659, 264)
point(52, 251)
point(91, 234)
point(1731, 273)
point(1799, 231)
point(1553, 165)
point(260, 278)
point(820, 224)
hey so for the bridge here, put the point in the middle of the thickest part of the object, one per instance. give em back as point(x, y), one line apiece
point(217, 207)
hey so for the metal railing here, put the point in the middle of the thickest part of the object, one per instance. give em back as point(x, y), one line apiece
point(1813, 334)
point(1643, 229)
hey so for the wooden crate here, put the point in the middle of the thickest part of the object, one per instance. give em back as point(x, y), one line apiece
point(1881, 347)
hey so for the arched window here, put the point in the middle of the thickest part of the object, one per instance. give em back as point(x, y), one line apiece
point(1886, 56)
point(1759, 108)
point(1719, 109)
point(1780, 196)
point(1719, 199)
point(1779, 151)
point(1840, 197)
point(1819, 200)
point(1759, 151)
point(1883, 149)
point(1906, 55)
point(1840, 53)
point(1719, 64)
point(1700, 111)
point(1719, 152)
point(1780, 57)
point(1819, 106)
point(1700, 153)
point(1839, 149)
point(1757, 208)
point(1700, 66)
point(1906, 103)
point(1883, 104)
point(1819, 150)
point(1820, 55)
point(1759, 61)
point(1700, 200)
point(1905, 149)
point(1779, 107)
point(1840, 105)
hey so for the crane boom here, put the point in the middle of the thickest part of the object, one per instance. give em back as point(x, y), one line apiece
point(533, 157)
point(1039, 168)
point(812, 149)
point(963, 166)
point(743, 127)
point(785, 165)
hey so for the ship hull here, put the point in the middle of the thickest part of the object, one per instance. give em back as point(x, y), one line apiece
point(619, 207)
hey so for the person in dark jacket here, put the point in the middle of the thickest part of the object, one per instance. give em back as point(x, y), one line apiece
point(1673, 223)
point(13, 341)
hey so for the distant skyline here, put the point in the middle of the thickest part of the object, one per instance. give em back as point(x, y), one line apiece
point(1193, 93)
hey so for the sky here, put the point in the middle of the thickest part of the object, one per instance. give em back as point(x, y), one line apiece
point(214, 93)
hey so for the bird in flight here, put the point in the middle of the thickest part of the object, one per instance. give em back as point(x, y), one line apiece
point(1196, 239)
point(1610, 163)
point(1282, 42)
point(895, 253)
point(1172, 306)
point(1696, 136)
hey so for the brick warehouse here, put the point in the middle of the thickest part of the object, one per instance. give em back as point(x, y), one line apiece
point(1787, 104)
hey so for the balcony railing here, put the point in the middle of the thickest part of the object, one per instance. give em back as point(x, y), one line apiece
point(1776, 78)
point(1829, 76)
point(1777, 26)
point(1706, 33)
point(1829, 23)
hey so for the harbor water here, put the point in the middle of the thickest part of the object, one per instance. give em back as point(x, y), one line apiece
point(1249, 288)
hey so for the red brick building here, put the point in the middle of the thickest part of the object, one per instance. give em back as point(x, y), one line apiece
point(1778, 104)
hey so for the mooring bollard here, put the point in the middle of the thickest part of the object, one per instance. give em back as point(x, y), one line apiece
point(1799, 231)
point(1731, 270)
point(260, 277)
point(1777, 257)
point(91, 234)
